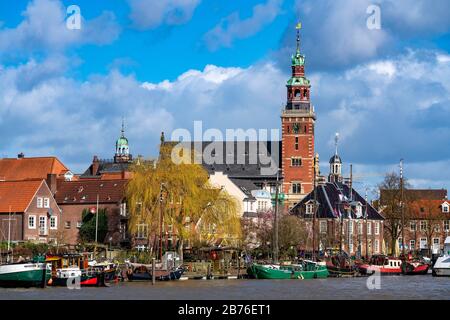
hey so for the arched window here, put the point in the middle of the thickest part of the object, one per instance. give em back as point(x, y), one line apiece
point(297, 93)
point(305, 93)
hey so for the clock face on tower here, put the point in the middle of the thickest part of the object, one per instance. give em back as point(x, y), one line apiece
point(295, 127)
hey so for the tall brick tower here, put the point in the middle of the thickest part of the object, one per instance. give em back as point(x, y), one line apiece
point(297, 121)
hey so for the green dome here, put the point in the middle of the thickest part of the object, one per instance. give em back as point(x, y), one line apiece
point(122, 141)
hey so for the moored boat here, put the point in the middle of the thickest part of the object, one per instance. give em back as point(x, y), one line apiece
point(414, 268)
point(304, 270)
point(341, 266)
point(73, 269)
point(381, 264)
point(28, 274)
point(143, 272)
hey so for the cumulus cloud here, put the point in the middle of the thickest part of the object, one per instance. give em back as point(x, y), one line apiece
point(43, 28)
point(336, 36)
point(387, 110)
point(233, 27)
point(148, 14)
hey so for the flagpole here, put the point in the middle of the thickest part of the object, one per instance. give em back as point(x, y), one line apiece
point(9, 233)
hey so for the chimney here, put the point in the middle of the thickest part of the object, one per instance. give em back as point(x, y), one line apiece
point(20, 155)
point(95, 165)
point(51, 182)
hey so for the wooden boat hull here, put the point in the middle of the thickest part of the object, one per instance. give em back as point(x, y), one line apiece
point(338, 272)
point(24, 275)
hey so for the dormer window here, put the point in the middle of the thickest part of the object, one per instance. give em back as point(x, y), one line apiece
point(445, 208)
point(358, 210)
point(309, 208)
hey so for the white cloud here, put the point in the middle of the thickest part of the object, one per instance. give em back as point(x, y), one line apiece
point(43, 28)
point(148, 14)
point(233, 27)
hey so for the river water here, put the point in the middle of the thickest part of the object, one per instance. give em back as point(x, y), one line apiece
point(390, 287)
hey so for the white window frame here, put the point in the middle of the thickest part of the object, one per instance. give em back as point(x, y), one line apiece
point(360, 227)
point(350, 245)
point(34, 222)
point(376, 228)
point(55, 219)
point(412, 244)
point(376, 246)
point(67, 224)
point(47, 203)
point(79, 224)
point(424, 242)
point(446, 225)
point(40, 202)
point(142, 231)
point(43, 219)
point(423, 225)
point(323, 226)
point(369, 228)
point(445, 208)
point(350, 226)
point(411, 224)
point(309, 208)
point(359, 210)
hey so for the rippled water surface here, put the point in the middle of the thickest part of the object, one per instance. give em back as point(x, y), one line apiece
point(392, 287)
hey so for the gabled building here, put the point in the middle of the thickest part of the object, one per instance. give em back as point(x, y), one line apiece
point(343, 218)
point(24, 168)
point(28, 212)
point(73, 197)
point(428, 215)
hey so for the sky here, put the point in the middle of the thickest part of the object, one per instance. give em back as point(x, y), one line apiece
point(163, 64)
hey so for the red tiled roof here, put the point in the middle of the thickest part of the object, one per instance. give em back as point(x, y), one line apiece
point(15, 196)
point(85, 191)
point(30, 168)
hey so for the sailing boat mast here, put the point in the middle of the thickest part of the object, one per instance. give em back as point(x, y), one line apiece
point(401, 207)
point(275, 224)
point(9, 233)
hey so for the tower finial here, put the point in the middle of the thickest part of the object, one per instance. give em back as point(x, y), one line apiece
point(123, 127)
point(298, 27)
point(336, 140)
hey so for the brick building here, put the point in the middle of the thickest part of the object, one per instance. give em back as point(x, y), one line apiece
point(427, 214)
point(28, 212)
point(74, 197)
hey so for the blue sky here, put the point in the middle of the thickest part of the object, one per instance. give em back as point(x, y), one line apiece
point(162, 64)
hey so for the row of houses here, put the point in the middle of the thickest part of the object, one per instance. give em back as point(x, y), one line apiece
point(43, 200)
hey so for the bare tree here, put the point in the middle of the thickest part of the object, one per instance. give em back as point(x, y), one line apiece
point(390, 205)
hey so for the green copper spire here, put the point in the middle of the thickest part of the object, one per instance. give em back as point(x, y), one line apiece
point(298, 59)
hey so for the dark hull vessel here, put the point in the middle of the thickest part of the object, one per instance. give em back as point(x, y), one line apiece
point(144, 273)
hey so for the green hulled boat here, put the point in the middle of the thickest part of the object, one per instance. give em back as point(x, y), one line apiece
point(28, 274)
point(305, 270)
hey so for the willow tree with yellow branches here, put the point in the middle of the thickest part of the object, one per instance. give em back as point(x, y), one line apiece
point(182, 196)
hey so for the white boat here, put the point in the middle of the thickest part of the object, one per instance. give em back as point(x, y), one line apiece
point(442, 266)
